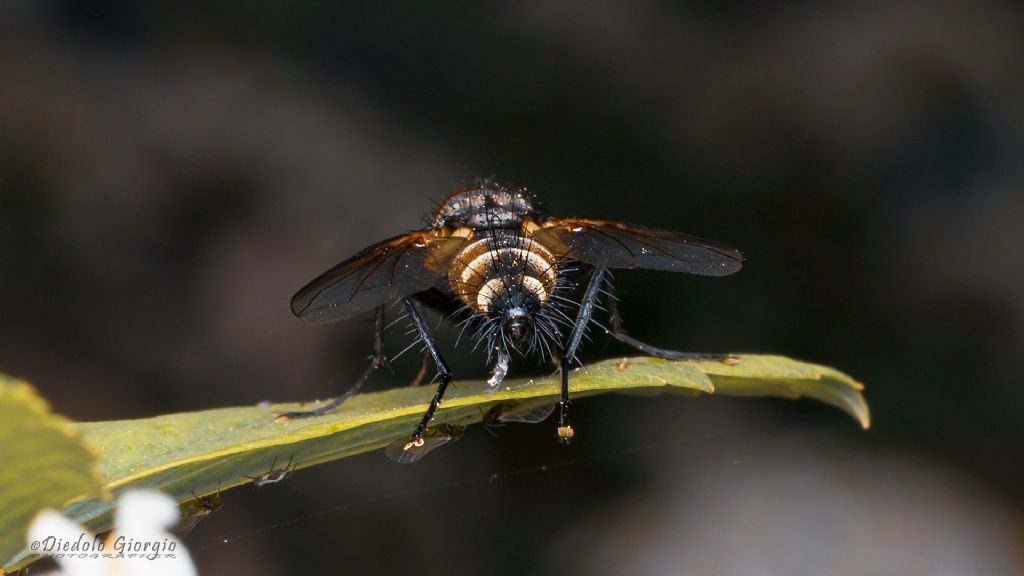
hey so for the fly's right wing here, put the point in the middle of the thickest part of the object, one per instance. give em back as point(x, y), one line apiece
point(618, 245)
point(395, 268)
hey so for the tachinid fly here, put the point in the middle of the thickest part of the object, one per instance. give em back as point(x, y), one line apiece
point(494, 263)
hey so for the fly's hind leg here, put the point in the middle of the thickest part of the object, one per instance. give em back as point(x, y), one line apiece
point(620, 334)
point(376, 361)
point(416, 439)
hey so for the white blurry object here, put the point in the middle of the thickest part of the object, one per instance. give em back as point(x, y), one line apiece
point(139, 546)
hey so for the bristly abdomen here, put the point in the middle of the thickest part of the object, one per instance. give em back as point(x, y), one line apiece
point(497, 262)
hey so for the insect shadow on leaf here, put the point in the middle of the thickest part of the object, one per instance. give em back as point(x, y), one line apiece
point(274, 475)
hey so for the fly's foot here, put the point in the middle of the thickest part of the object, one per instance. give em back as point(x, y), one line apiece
point(730, 360)
point(415, 441)
point(286, 416)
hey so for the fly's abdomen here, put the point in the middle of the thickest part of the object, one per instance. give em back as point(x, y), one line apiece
point(500, 267)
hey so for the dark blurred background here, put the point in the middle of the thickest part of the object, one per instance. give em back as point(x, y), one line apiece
point(171, 172)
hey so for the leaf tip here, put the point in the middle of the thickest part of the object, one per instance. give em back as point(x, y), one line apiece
point(863, 415)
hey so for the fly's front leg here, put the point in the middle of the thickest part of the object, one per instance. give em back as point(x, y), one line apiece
point(416, 439)
point(565, 431)
point(620, 334)
point(376, 361)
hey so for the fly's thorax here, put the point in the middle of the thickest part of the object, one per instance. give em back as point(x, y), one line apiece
point(485, 206)
point(503, 270)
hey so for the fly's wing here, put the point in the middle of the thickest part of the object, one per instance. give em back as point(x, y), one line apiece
point(616, 245)
point(394, 268)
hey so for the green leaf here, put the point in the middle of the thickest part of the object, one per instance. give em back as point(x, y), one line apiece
point(45, 464)
point(199, 453)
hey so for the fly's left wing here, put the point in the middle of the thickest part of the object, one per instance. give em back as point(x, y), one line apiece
point(395, 268)
point(617, 245)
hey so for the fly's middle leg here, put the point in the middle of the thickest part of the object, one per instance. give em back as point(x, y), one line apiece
point(376, 361)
